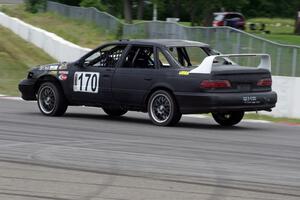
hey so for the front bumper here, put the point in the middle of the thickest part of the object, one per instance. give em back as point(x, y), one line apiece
point(191, 103)
point(27, 88)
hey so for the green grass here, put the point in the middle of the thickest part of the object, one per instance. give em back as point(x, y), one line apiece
point(252, 115)
point(276, 25)
point(90, 35)
point(16, 57)
point(76, 31)
point(283, 38)
point(16, 54)
point(282, 30)
point(272, 119)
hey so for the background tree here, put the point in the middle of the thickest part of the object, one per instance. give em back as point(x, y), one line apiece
point(198, 12)
point(69, 2)
point(297, 20)
point(93, 3)
point(34, 6)
point(176, 7)
point(140, 13)
point(127, 11)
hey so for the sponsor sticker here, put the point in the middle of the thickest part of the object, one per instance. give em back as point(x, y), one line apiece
point(54, 73)
point(63, 66)
point(184, 73)
point(53, 67)
point(63, 72)
point(63, 77)
point(49, 67)
point(250, 100)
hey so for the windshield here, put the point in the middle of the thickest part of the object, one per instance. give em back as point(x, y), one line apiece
point(219, 17)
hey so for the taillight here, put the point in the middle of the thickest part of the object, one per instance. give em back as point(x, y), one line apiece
point(218, 23)
point(211, 84)
point(267, 82)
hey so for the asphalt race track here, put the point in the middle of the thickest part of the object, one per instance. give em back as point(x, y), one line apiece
point(86, 155)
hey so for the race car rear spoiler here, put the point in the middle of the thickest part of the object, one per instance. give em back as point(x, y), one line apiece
point(206, 66)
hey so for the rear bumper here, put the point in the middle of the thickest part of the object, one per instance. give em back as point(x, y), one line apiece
point(191, 103)
point(27, 89)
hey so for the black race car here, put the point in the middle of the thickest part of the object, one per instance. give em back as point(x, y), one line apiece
point(166, 78)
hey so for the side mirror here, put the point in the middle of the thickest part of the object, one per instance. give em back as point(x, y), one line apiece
point(85, 64)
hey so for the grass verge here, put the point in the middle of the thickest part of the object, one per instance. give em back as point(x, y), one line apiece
point(281, 30)
point(76, 31)
point(271, 119)
point(16, 57)
point(90, 35)
point(258, 116)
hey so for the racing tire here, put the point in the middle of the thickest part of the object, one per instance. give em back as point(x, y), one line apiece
point(228, 118)
point(115, 112)
point(51, 100)
point(162, 109)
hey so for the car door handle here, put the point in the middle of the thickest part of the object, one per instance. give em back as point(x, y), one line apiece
point(148, 79)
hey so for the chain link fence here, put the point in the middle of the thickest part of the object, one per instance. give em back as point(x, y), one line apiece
point(103, 19)
point(285, 58)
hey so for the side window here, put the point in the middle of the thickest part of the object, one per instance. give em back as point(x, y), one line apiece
point(188, 56)
point(174, 52)
point(233, 16)
point(140, 57)
point(162, 60)
point(196, 55)
point(105, 57)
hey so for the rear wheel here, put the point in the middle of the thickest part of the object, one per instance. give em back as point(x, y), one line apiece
point(114, 112)
point(51, 100)
point(228, 118)
point(162, 109)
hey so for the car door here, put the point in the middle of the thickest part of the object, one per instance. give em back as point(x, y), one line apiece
point(92, 76)
point(135, 75)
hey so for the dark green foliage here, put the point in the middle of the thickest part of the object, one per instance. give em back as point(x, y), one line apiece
point(271, 8)
point(197, 11)
point(69, 2)
point(93, 3)
point(34, 6)
point(119, 32)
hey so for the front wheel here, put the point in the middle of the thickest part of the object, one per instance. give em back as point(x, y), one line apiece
point(51, 100)
point(228, 118)
point(162, 109)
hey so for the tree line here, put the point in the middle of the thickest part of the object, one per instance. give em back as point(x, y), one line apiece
point(198, 12)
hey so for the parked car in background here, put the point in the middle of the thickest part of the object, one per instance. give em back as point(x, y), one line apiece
point(232, 19)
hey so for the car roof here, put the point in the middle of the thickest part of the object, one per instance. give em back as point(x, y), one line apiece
point(227, 13)
point(165, 42)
